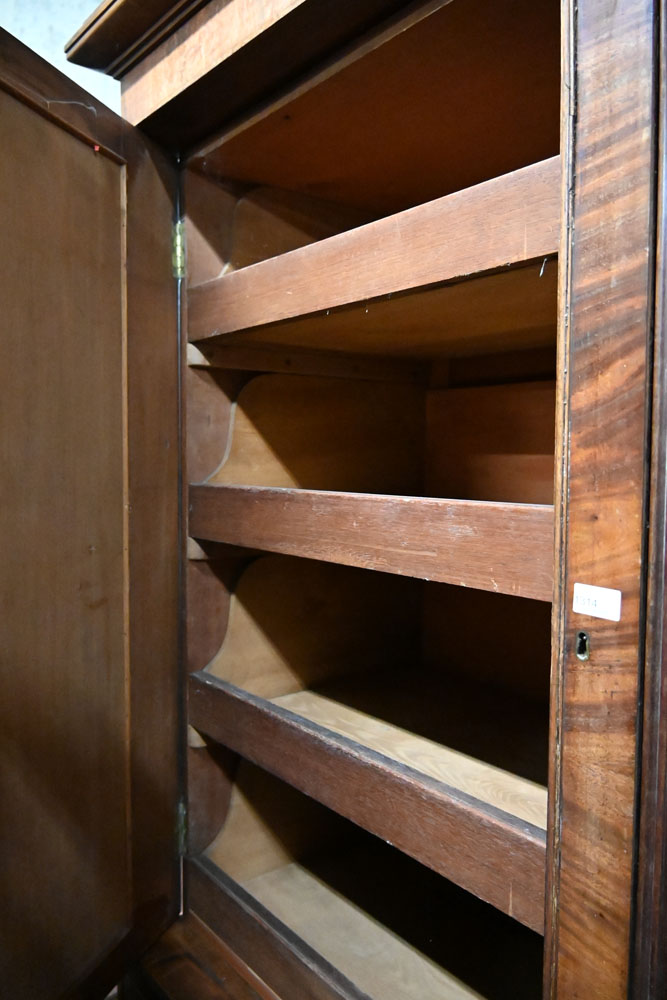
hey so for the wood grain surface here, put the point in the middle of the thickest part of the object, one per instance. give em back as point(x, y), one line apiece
point(275, 953)
point(89, 571)
point(336, 432)
point(441, 924)
point(382, 965)
point(231, 226)
point(211, 771)
point(188, 961)
point(508, 220)
point(182, 59)
point(398, 650)
point(505, 791)
point(509, 310)
point(491, 442)
point(506, 548)
point(210, 396)
point(118, 31)
point(47, 551)
point(498, 368)
point(198, 79)
point(650, 938)
point(207, 600)
point(403, 116)
point(269, 824)
point(331, 364)
point(606, 305)
point(294, 623)
point(319, 433)
point(487, 851)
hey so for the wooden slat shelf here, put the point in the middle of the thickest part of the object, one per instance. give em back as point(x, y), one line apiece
point(190, 961)
point(524, 799)
point(328, 922)
point(284, 961)
point(423, 933)
point(479, 826)
point(505, 222)
point(502, 547)
point(333, 364)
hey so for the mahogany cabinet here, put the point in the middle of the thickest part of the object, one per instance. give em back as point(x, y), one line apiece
point(334, 463)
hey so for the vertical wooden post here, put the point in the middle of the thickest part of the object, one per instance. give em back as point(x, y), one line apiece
point(650, 926)
point(606, 355)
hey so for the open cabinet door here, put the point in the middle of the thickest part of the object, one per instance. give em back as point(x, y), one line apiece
point(89, 446)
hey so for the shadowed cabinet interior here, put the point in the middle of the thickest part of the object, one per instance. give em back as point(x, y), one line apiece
point(408, 355)
point(370, 450)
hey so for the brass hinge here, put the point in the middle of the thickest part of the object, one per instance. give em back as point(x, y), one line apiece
point(178, 249)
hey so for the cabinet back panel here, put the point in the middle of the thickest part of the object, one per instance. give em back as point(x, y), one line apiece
point(492, 443)
point(293, 623)
point(354, 637)
point(494, 723)
point(269, 824)
point(488, 443)
point(467, 93)
point(492, 638)
point(326, 434)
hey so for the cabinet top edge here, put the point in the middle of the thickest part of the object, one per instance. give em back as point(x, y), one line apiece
point(118, 33)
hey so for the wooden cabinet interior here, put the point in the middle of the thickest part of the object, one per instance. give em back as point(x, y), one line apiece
point(406, 268)
point(440, 97)
point(387, 925)
point(358, 672)
point(370, 392)
point(389, 284)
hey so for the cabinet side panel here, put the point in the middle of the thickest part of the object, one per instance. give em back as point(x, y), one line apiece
point(607, 360)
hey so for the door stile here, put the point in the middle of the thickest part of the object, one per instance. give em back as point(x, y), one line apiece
point(606, 317)
point(650, 930)
point(90, 461)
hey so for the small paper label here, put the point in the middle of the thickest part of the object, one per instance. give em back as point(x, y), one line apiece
point(599, 602)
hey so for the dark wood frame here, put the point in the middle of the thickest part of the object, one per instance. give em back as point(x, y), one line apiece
point(610, 142)
point(283, 959)
point(649, 971)
point(119, 33)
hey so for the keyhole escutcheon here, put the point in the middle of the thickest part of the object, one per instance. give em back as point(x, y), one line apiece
point(583, 646)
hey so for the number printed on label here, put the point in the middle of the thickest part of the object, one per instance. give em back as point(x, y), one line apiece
point(598, 602)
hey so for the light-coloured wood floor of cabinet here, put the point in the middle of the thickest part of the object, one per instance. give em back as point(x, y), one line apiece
point(388, 926)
